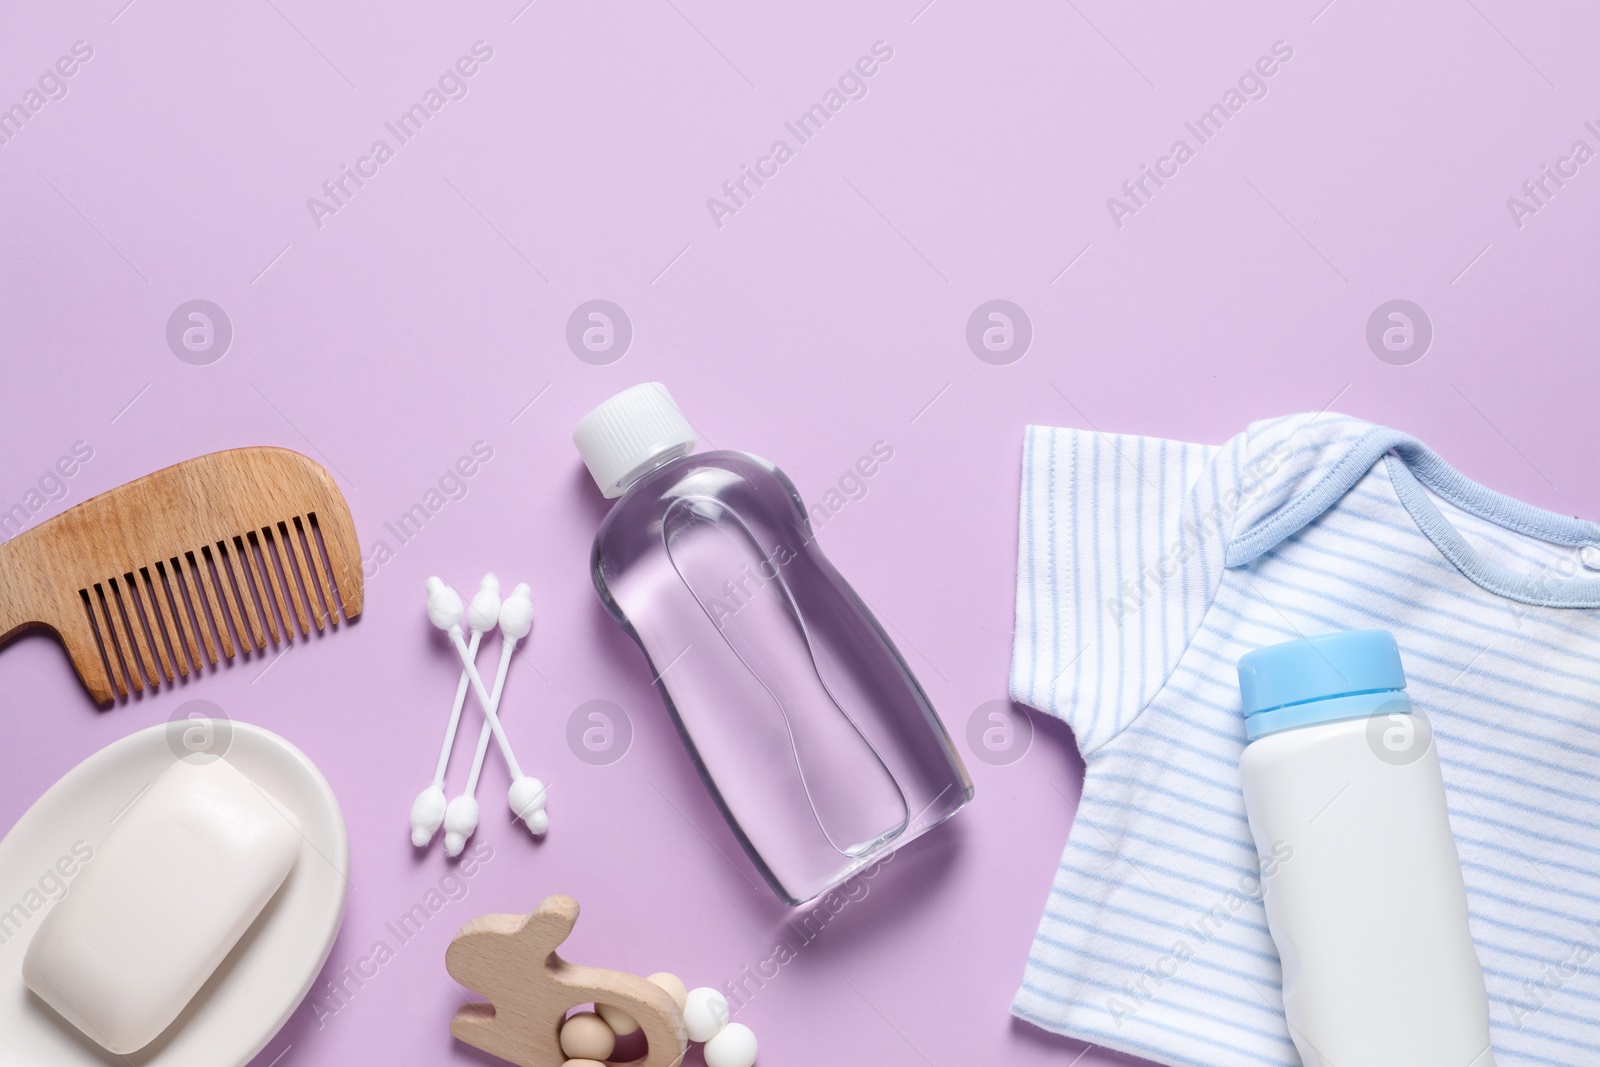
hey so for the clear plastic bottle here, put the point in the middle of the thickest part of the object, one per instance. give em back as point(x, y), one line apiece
point(807, 726)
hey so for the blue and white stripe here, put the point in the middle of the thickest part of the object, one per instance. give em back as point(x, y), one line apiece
point(1147, 568)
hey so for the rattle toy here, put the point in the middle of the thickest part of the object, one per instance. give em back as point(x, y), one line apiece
point(512, 960)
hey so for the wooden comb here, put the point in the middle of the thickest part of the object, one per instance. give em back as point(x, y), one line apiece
point(225, 550)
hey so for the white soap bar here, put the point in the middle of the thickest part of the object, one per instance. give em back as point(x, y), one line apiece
point(177, 881)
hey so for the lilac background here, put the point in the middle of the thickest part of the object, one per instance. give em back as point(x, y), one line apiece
point(828, 314)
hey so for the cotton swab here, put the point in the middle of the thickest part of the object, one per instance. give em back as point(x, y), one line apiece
point(444, 611)
point(526, 795)
point(428, 811)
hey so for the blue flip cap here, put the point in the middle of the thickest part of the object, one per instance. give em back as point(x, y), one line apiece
point(1321, 679)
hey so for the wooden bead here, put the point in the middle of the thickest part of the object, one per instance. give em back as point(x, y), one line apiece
point(586, 1036)
point(673, 985)
point(621, 1022)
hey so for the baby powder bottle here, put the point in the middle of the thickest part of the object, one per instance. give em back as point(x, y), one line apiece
point(818, 745)
point(1367, 908)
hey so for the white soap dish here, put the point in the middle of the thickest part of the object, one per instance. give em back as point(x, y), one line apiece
point(260, 983)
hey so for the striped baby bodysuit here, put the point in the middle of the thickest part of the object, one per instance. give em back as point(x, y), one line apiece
point(1148, 567)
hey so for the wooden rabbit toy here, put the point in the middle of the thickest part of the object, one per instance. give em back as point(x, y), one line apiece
point(512, 960)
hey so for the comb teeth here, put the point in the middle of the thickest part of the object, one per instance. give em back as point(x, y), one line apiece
point(262, 586)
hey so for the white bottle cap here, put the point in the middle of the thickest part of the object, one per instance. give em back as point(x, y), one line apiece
point(636, 429)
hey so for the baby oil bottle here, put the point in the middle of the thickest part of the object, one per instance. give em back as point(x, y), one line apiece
point(803, 720)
